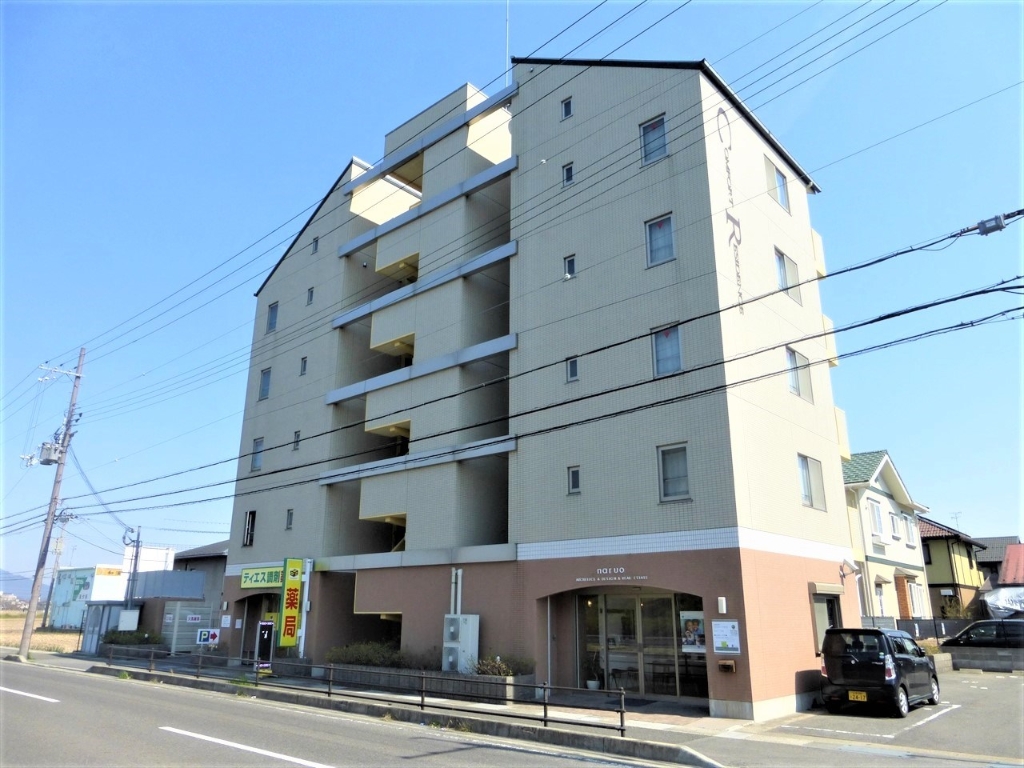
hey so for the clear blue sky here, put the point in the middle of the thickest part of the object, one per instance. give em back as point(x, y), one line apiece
point(144, 144)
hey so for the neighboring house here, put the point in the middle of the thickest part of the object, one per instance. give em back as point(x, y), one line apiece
point(1006, 597)
point(74, 587)
point(954, 578)
point(501, 351)
point(991, 558)
point(884, 530)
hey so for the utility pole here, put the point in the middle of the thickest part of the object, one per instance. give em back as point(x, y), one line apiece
point(63, 518)
point(44, 548)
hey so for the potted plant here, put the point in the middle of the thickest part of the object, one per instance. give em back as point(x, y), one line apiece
point(593, 671)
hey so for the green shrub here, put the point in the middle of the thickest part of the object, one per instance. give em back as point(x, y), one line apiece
point(117, 637)
point(369, 654)
point(504, 666)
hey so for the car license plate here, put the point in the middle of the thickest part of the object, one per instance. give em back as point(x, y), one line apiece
point(858, 696)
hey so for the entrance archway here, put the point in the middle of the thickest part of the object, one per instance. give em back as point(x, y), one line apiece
point(649, 642)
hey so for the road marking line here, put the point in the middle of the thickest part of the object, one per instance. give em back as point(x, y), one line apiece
point(30, 695)
point(245, 748)
point(834, 730)
point(929, 718)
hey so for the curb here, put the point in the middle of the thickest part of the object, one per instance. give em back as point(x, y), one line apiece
point(609, 745)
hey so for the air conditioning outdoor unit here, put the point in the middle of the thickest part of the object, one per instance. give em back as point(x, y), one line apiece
point(461, 643)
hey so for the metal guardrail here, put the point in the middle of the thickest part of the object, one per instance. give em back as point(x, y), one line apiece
point(328, 686)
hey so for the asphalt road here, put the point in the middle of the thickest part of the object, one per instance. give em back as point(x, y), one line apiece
point(54, 717)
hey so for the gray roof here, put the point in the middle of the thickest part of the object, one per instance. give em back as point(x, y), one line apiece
point(861, 467)
point(208, 550)
point(996, 548)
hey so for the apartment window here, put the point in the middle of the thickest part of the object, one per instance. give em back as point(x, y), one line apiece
point(264, 384)
point(309, 297)
point(894, 521)
point(668, 351)
point(673, 473)
point(302, 366)
point(812, 487)
point(789, 278)
point(799, 374)
point(566, 108)
point(296, 439)
point(567, 174)
point(569, 263)
point(272, 317)
point(289, 518)
point(908, 524)
point(316, 244)
point(652, 139)
point(926, 552)
point(875, 512)
point(776, 184)
point(574, 479)
point(250, 528)
point(256, 461)
point(572, 369)
point(659, 241)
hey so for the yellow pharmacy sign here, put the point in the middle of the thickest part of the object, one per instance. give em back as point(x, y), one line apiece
point(291, 603)
point(262, 578)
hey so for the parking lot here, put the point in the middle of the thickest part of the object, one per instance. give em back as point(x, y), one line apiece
point(979, 714)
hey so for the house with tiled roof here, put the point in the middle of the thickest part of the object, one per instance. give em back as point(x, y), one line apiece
point(991, 558)
point(890, 570)
point(954, 577)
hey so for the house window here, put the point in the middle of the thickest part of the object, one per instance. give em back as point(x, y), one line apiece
point(894, 521)
point(296, 439)
point(566, 108)
point(572, 369)
point(256, 462)
point(567, 174)
point(652, 139)
point(316, 244)
point(574, 479)
point(569, 263)
point(826, 614)
point(272, 317)
point(799, 374)
point(250, 528)
point(879, 595)
point(908, 524)
point(926, 551)
point(289, 518)
point(264, 384)
point(309, 297)
point(875, 512)
point(812, 487)
point(659, 241)
point(916, 599)
point(776, 184)
point(789, 278)
point(970, 557)
point(302, 366)
point(668, 351)
point(673, 473)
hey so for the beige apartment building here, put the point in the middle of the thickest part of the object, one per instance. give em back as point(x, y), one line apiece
point(547, 367)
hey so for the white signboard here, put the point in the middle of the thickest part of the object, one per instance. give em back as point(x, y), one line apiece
point(207, 637)
point(193, 618)
point(725, 636)
point(168, 618)
point(225, 621)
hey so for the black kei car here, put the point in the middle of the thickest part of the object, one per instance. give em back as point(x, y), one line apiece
point(864, 665)
point(990, 633)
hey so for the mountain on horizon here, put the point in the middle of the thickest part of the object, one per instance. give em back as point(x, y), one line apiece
point(19, 586)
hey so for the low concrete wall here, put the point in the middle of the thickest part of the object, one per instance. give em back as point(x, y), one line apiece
point(988, 659)
point(488, 688)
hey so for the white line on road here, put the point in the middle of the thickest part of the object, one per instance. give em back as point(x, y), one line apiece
point(929, 718)
point(30, 695)
point(245, 748)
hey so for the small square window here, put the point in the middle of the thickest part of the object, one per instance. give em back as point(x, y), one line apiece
point(673, 473)
point(799, 374)
point(249, 534)
point(309, 297)
point(668, 351)
point(572, 369)
point(567, 174)
point(289, 518)
point(316, 245)
point(776, 184)
point(566, 108)
point(272, 317)
point(256, 461)
point(789, 278)
point(264, 384)
point(812, 486)
point(652, 139)
point(659, 241)
point(574, 479)
point(569, 264)
point(296, 439)
point(302, 366)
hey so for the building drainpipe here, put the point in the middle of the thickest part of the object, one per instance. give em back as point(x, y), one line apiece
point(307, 577)
point(548, 642)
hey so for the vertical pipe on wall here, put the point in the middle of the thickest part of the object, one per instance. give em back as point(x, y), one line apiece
point(547, 641)
point(458, 593)
point(451, 604)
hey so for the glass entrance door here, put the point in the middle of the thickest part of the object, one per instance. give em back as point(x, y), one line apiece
point(623, 642)
point(658, 654)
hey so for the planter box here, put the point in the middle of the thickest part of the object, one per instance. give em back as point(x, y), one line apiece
point(483, 688)
point(292, 667)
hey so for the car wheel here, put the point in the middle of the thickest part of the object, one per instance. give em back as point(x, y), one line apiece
point(934, 698)
point(902, 702)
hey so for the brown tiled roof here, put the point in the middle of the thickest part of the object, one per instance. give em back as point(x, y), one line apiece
point(1012, 571)
point(932, 530)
